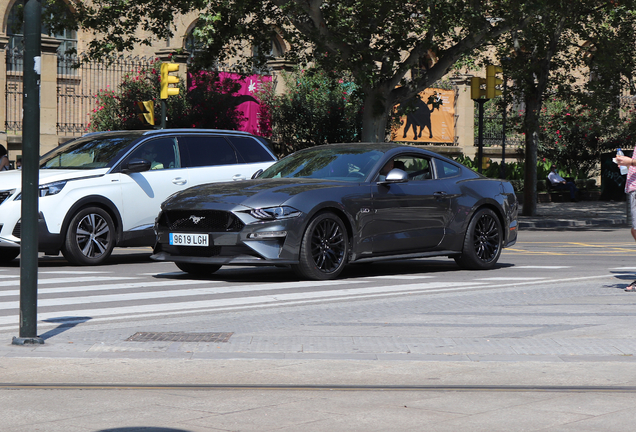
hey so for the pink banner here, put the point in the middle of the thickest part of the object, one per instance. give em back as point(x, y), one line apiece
point(251, 110)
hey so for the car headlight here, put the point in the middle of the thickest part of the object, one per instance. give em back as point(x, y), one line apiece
point(275, 213)
point(47, 189)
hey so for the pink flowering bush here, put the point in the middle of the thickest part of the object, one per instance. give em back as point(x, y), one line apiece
point(208, 104)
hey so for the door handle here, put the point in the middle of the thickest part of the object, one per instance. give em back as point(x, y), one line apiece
point(440, 194)
point(238, 177)
point(179, 181)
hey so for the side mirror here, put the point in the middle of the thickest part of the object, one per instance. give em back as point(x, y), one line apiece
point(135, 165)
point(257, 174)
point(396, 175)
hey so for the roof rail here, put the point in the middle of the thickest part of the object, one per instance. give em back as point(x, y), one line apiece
point(195, 130)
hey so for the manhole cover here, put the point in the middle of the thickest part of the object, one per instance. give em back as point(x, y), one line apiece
point(179, 337)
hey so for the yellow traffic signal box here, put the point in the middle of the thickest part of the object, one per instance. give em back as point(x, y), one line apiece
point(167, 79)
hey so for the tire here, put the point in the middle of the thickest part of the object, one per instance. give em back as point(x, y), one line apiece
point(483, 241)
point(90, 237)
point(324, 248)
point(198, 269)
point(8, 254)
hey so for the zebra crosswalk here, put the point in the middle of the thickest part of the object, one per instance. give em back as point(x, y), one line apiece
point(107, 295)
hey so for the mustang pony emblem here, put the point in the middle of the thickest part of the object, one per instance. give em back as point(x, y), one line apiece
point(196, 219)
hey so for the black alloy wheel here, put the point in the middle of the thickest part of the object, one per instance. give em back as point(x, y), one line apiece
point(90, 237)
point(324, 248)
point(482, 244)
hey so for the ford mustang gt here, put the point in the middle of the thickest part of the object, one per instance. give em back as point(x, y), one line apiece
point(321, 208)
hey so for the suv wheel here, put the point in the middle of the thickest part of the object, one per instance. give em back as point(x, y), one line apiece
point(7, 254)
point(90, 237)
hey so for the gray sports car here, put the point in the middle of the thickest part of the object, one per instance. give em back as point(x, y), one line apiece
point(321, 208)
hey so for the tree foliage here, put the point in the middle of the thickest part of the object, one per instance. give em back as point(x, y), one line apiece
point(392, 49)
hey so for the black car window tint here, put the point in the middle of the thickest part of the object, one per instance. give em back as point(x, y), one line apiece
point(417, 167)
point(208, 151)
point(445, 169)
point(161, 153)
point(251, 150)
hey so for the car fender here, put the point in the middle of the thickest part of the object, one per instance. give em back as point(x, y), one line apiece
point(96, 201)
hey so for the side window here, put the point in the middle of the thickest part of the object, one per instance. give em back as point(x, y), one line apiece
point(250, 150)
point(445, 169)
point(417, 167)
point(162, 153)
point(208, 151)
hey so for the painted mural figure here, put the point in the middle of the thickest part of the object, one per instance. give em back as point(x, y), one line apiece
point(420, 117)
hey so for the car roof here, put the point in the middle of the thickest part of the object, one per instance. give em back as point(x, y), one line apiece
point(158, 132)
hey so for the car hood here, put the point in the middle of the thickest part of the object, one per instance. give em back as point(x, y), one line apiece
point(13, 179)
point(257, 193)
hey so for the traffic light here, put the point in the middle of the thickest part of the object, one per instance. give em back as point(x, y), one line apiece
point(167, 79)
point(476, 92)
point(492, 81)
point(146, 112)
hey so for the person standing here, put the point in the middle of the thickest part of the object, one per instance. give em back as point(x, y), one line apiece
point(630, 190)
point(4, 159)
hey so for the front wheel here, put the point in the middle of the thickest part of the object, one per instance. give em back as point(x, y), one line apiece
point(482, 244)
point(8, 254)
point(324, 248)
point(90, 237)
point(198, 269)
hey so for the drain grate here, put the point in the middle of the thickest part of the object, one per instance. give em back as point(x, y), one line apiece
point(179, 337)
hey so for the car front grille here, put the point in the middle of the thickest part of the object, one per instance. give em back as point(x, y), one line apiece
point(17, 230)
point(200, 221)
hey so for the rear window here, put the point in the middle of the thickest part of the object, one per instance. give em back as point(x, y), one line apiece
point(207, 151)
point(445, 169)
point(250, 150)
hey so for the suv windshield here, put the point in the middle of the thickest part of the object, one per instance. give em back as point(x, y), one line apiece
point(86, 153)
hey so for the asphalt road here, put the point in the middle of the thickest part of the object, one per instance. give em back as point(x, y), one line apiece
point(544, 342)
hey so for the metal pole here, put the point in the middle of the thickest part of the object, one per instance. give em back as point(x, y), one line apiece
point(480, 142)
point(164, 113)
point(30, 177)
point(504, 115)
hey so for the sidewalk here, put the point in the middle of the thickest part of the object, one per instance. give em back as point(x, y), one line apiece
point(575, 215)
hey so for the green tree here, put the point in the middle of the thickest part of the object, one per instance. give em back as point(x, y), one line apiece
point(540, 59)
point(317, 108)
point(392, 49)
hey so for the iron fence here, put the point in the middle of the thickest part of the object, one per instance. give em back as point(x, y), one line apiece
point(14, 90)
point(79, 82)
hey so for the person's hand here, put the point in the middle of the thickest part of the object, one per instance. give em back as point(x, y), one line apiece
point(623, 160)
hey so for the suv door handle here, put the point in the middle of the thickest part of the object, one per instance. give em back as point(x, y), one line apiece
point(179, 181)
point(238, 177)
point(440, 194)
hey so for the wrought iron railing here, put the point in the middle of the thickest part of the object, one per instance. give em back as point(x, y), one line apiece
point(80, 81)
point(14, 90)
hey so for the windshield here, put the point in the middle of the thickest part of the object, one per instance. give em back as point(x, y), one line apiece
point(86, 153)
point(339, 163)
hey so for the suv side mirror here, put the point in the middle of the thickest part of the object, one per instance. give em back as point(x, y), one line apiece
point(135, 165)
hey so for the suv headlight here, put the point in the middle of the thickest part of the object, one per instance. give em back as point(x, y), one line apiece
point(275, 213)
point(47, 189)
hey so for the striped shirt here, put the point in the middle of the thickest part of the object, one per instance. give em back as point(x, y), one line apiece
point(630, 184)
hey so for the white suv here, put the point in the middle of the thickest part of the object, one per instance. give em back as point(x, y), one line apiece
point(105, 189)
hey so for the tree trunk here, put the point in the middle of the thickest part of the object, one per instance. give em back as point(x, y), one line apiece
point(374, 118)
point(533, 107)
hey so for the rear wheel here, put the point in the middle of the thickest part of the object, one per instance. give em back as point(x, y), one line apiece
point(7, 254)
point(324, 248)
point(198, 269)
point(482, 244)
point(90, 237)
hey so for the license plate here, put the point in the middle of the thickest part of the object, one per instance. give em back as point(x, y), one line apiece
point(177, 239)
